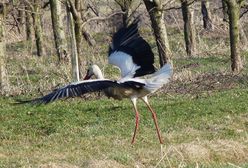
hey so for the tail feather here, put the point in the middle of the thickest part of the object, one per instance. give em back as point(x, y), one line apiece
point(165, 72)
point(160, 78)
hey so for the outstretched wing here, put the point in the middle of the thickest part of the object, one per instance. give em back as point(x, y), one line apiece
point(74, 90)
point(130, 52)
point(79, 88)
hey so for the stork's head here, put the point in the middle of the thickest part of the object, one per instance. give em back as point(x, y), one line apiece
point(93, 70)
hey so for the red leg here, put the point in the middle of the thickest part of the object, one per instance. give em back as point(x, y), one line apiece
point(136, 126)
point(154, 116)
point(136, 120)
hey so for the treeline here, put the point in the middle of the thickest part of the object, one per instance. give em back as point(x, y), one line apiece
point(26, 15)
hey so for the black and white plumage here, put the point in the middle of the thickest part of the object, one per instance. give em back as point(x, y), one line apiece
point(133, 88)
point(130, 85)
point(136, 88)
point(131, 53)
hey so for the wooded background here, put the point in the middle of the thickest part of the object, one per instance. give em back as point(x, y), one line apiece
point(69, 30)
point(202, 111)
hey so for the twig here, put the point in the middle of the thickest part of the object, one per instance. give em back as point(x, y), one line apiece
point(243, 13)
point(46, 5)
point(16, 23)
point(94, 10)
point(101, 18)
point(29, 4)
point(179, 7)
point(73, 10)
point(162, 158)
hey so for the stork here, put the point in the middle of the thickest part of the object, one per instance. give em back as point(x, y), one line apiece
point(134, 57)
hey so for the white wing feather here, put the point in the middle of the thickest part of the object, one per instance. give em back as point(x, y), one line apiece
point(124, 62)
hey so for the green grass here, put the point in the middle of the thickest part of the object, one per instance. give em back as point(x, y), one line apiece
point(203, 118)
point(78, 132)
point(207, 127)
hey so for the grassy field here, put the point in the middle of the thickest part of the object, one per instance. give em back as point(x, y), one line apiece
point(209, 131)
point(202, 115)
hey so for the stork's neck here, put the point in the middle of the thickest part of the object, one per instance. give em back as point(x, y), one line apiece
point(98, 73)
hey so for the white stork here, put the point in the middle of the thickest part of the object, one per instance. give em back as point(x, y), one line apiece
point(133, 55)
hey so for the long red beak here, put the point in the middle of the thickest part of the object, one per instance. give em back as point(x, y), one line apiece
point(87, 76)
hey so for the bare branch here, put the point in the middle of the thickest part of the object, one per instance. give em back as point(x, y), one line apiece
point(178, 7)
point(73, 10)
point(46, 5)
point(134, 10)
point(27, 2)
point(16, 23)
point(244, 12)
point(101, 18)
point(94, 10)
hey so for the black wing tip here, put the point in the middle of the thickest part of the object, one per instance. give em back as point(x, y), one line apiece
point(31, 102)
point(136, 21)
point(145, 71)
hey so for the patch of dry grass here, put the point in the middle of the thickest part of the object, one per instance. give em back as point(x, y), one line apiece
point(222, 151)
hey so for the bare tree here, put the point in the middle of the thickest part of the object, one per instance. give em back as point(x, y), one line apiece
point(78, 15)
point(156, 13)
point(243, 37)
point(21, 16)
point(3, 77)
point(206, 15)
point(37, 27)
point(84, 6)
point(28, 23)
point(189, 29)
point(59, 35)
point(233, 13)
point(78, 22)
point(224, 10)
point(126, 8)
point(74, 51)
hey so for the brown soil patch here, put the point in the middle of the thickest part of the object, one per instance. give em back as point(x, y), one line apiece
point(187, 83)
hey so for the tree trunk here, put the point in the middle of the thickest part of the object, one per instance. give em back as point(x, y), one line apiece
point(74, 51)
point(233, 13)
point(224, 11)
point(78, 16)
point(77, 27)
point(28, 23)
point(157, 18)
point(21, 17)
point(3, 76)
point(126, 16)
point(37, 28)
point(126, 8)
point(189, 29)
point(87, 36)
point(206, 15)
point(59, 35)
point(243, 37)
